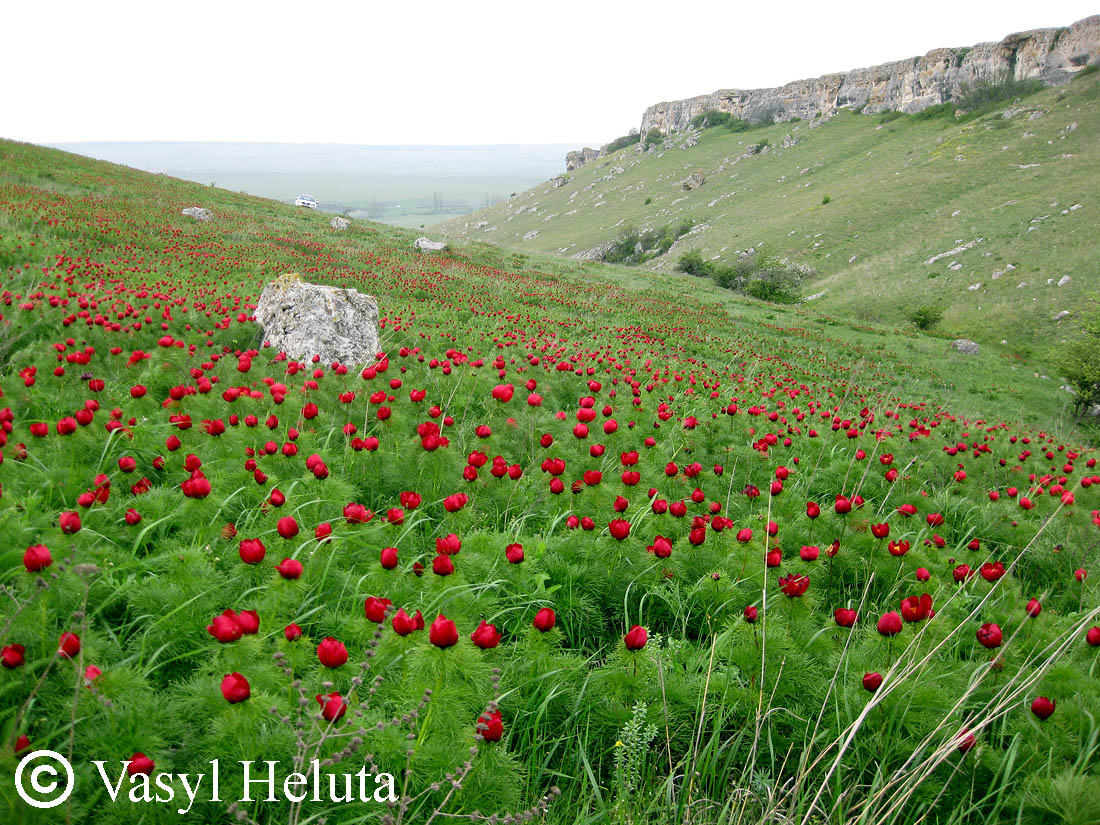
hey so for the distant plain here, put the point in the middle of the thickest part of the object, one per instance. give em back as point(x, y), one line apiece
point(401, 185)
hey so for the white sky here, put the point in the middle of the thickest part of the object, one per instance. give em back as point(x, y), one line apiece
point(427, 72)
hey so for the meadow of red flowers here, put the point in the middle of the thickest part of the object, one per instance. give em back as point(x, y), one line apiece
point(572, 547)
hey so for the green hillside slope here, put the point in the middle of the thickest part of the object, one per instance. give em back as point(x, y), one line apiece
point(1016, 186)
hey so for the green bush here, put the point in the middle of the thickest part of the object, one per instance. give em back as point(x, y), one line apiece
point(618, 143)
point(633, 247)
point(711, 117)
point(757, 274)
point(926, 317)
point(825, 199)
point(940, 110)
point(982, 97)
point(771, 279)
point(654, 137)
point(768, 290)
point(1078, 364)
point(692, 263)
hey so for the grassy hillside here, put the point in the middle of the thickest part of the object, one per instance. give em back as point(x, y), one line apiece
point(1018, 184)
point(653, 531)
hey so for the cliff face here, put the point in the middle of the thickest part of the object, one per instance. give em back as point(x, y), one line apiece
point(1051, 55)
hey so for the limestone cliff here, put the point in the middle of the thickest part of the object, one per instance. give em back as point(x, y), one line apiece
point(1051, 55)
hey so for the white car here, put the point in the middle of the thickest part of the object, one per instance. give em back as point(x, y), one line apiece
point(307, 201)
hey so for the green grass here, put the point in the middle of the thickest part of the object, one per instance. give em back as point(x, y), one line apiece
point(716, 721)
point(899, 191)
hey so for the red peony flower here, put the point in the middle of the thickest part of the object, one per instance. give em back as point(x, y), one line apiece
point(490, 727)
point(443, 632)
point(1042, 707)
point(225, 628)
point(139, 763)
point(889, 624)
point(333, 706)
point(252, 551)
point(872, 681)
point(990, 635)
point(287, 527)
point(486, 636)
point(235, 688)
point(37, 558)
point(636, 638)
point(331, 652)
point(375, 609)
point(794, 585)
point(12, 656)
point(545, 619)
point(68, 645)
point(844, 616)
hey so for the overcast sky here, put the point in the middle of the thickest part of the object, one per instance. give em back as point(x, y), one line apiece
point(426, 72)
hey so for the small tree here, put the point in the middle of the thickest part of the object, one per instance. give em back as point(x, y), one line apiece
point(654, 137)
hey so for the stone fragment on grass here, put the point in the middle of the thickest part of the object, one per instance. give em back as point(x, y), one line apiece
point(693, 181)
point(428, 245)
point(303, 320)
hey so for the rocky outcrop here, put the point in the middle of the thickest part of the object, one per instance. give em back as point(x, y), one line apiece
point(574, 160)
point(965, 347)
point(1051, 55)
point(304, 320)
point(596, 253)
point(339, 224)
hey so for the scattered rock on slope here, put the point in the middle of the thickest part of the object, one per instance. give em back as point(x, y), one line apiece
point(304, 320)
point(428, 245)
point(693, 181)
point(965, 347)
point(339, 224)
point(198, 213)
